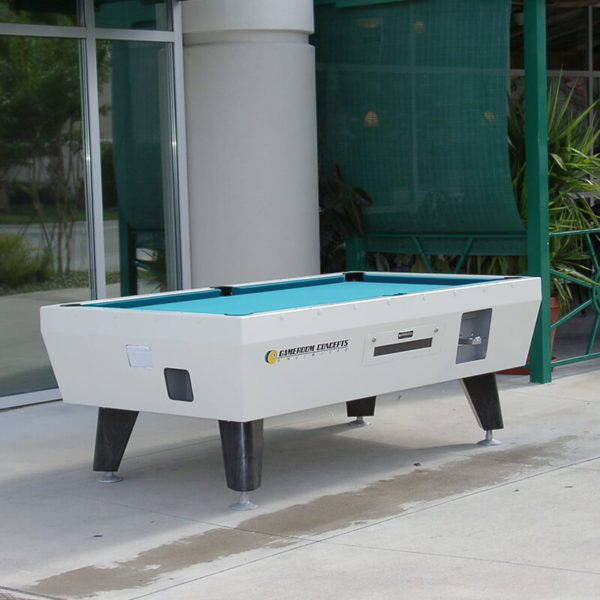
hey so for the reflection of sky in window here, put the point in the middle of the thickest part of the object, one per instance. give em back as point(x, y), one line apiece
point(132, 14)
point(37, 12)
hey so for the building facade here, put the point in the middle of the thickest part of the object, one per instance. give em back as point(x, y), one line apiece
point(140, 155)
point(162, 145)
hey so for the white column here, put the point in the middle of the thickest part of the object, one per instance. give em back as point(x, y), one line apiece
point(251, 139)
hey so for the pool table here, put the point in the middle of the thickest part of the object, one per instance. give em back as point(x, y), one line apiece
point(241, 353)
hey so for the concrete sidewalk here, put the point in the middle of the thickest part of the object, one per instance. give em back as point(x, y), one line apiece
point(408, 507)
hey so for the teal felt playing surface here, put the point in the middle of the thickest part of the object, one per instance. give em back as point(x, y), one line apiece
point(258, 298)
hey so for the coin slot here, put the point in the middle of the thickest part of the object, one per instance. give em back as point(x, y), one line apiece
point(473, 336)
point(403, 335)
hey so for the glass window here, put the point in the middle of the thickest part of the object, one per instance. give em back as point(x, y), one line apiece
point(40, 12)
point(137, 165)
point(596, 94)
point(566, 38)
point(43, 227)
point(577, 89)
point(573, 86)
point(596, 37)
point(133, 14)
point(516, 38)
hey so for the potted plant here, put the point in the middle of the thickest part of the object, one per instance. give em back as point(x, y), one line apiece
point(573, 168)
point(340, 216)
point(572, 184)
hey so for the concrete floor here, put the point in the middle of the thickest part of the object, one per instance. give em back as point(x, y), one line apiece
point(408, 507)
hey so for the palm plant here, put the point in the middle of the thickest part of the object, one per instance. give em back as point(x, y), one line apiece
point(573, 168)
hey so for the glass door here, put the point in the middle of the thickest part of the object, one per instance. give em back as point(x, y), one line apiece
point(43, 228)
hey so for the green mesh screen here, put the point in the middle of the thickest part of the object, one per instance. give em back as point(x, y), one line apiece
point(411, 101)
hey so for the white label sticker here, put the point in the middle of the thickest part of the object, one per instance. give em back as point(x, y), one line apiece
point(140, 357)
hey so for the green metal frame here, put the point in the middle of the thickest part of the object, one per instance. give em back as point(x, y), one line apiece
point(536, 140)
point(357, 249)
point(593, 301)
point(466, 245)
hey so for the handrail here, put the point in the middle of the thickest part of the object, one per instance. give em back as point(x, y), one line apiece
point(592, 284)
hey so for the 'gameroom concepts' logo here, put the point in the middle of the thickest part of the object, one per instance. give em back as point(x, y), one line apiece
point(272, 356)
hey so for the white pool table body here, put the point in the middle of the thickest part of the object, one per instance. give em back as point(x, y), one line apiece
point(115, 358)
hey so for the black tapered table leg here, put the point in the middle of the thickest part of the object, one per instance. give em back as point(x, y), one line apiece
point(482, 393)
point(112, 434)
point(362, 407)
point(242, 445)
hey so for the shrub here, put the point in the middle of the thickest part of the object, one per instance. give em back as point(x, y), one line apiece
point(20, 263)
